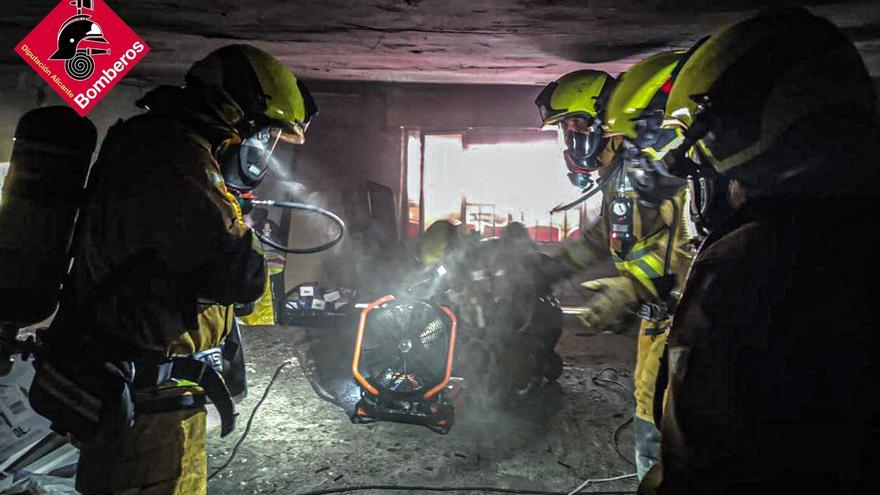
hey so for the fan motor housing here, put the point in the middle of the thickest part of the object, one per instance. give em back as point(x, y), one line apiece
point(402, 362)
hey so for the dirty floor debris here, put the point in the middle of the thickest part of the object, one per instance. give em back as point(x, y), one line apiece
point(300, 443)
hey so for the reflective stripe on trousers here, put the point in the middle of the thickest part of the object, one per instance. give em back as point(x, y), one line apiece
point(647, 446)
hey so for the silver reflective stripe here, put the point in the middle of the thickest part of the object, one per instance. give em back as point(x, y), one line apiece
point(211, 357)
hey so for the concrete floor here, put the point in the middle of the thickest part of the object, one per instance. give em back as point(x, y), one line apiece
point(300, 442)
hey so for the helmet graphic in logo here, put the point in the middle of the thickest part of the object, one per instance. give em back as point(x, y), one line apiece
point(79, 64)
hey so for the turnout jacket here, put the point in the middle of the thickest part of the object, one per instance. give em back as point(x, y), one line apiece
point(162, 251)
point(773, 356)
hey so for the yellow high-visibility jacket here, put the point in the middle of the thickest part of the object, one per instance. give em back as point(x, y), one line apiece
point(645, 263)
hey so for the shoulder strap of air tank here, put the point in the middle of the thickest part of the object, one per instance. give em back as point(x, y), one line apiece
point(93, 178)
point(673, 233)
point(666, 284)
point(113, 134)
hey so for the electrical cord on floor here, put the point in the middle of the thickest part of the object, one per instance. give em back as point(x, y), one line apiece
point(405, 488)
point(598, 380)
point(613, 382)
point(479, 489)
point(614, 440)
point(250, 421)
point(604, 480)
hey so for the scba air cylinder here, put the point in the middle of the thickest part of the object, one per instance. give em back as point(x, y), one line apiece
point(42, 193)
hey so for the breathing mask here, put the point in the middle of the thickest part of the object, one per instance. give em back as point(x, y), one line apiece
point(709, 203)
point(580, 180)
point(245, 165)
point(649, 177)
point(707, 188)
point(582, 149)
point(648, 129)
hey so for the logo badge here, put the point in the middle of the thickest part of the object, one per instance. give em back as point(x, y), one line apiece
point(82, 49)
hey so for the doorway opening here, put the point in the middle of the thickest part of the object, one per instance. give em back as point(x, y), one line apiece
point(484, 180)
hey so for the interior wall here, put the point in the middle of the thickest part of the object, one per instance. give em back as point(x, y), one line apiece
point(359, 136)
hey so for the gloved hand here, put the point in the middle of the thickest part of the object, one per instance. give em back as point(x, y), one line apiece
point(615, 297)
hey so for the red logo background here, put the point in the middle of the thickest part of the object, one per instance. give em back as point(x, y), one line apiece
point(42, 42)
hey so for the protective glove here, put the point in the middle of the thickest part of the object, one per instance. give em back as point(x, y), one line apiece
point(615, 298)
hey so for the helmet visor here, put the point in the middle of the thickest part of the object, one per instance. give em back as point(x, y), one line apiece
point(582, 142)
point(543, 102)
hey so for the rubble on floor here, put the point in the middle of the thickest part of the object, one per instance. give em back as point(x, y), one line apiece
point(300, 442)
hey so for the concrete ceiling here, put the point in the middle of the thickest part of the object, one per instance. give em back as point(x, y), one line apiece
point(449, 41)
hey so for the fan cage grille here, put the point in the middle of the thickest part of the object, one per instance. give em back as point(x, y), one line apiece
point(405, 347)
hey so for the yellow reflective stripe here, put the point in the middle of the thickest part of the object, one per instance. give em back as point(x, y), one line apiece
point(637, 252)
point(645, 261)
point(652, 241)
point(669, 140)
point(641, 271)
point(654, 264)
point(178, 384)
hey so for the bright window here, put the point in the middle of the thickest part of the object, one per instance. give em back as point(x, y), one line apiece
point(486, 186)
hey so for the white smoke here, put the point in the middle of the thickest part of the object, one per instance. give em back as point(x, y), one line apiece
point(283, 183)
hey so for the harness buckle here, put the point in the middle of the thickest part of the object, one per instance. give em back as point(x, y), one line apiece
point(653, 312)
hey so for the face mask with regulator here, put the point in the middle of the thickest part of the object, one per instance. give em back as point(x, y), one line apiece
point(244, 165)
point(706, 187)
point(582, 148)
point(582, 158)
point(647, 173)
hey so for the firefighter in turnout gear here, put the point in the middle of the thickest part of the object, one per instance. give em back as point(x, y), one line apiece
point(645, 231)
point(654, 249)
point(574, 104)
point(161, 257)
point(772, 350)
